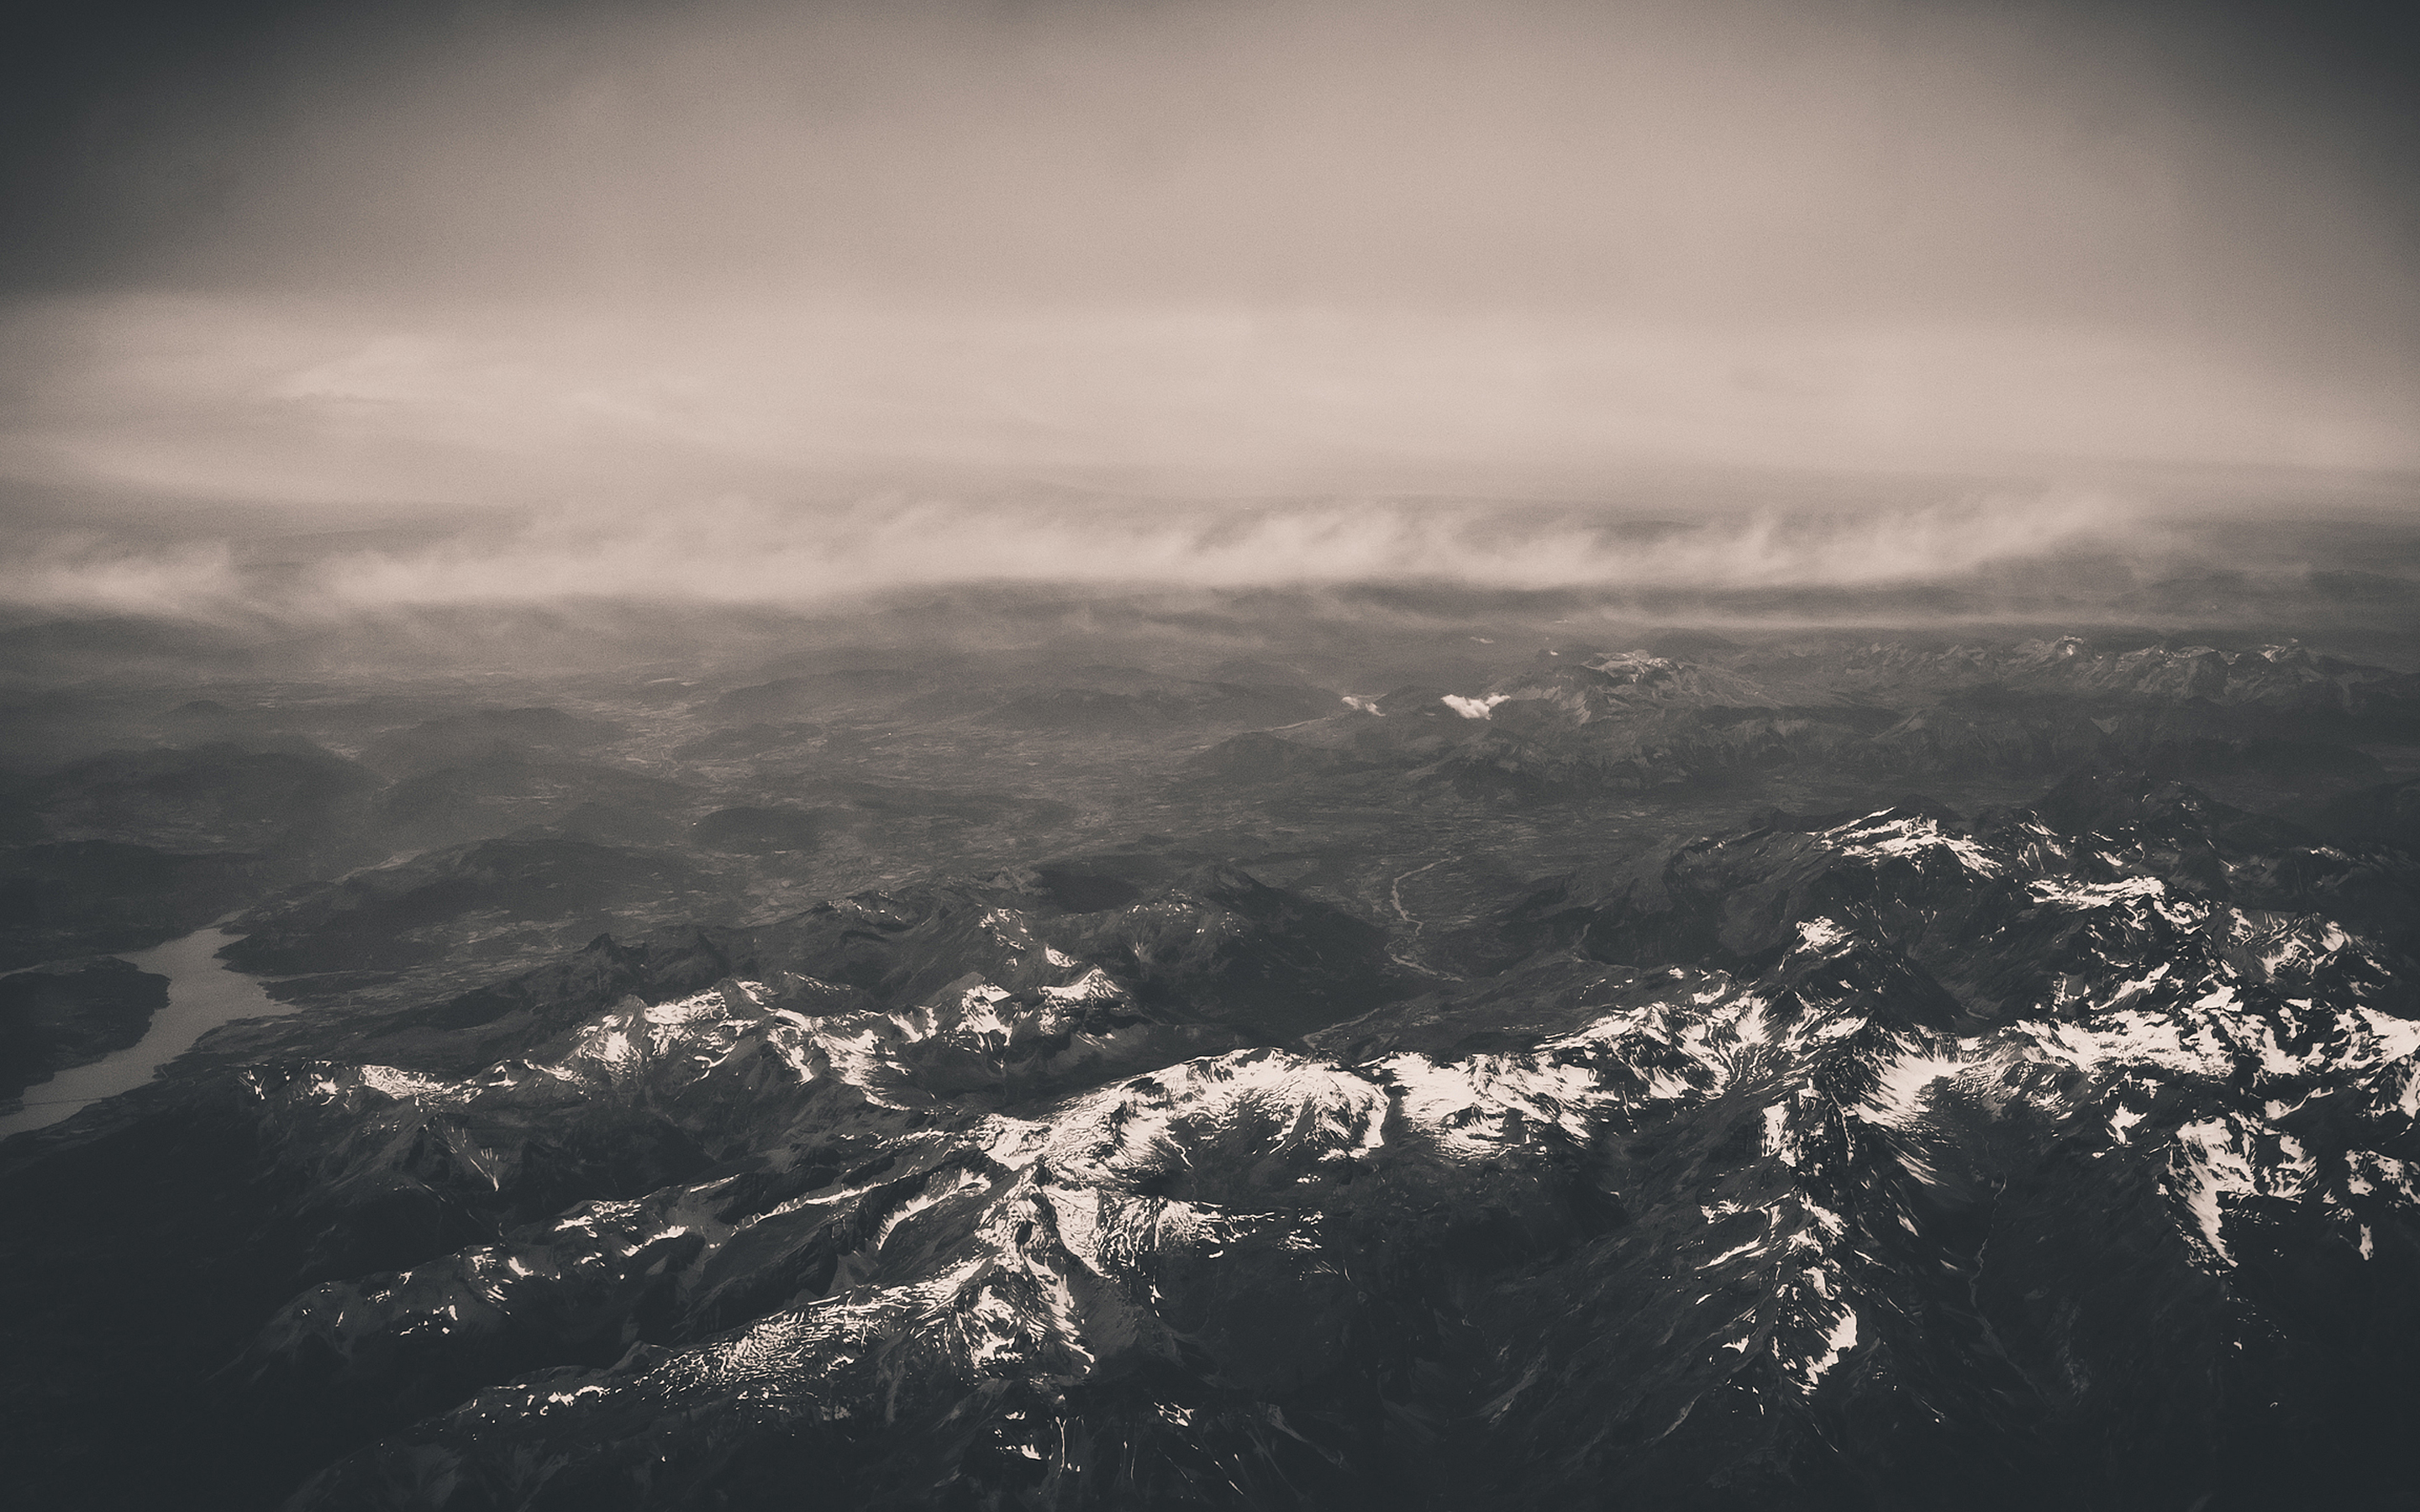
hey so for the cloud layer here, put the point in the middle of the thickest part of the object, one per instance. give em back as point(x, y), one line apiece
point(553, 255)
point(740, 552)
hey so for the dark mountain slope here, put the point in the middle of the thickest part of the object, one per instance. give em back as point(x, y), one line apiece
point(2057, 1157)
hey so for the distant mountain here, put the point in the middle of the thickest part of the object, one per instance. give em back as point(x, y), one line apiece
point(2387, 813)
point(2272, 680)
point(487, 734)
point(387, 917)
point(210, 798)
point(504, 790)
point(76, 897)
point(1143, 704)
point(814, 695)
point(758, 829)
point(2271, 722)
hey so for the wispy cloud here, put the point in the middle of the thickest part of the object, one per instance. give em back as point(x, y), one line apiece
point(637, 277)
point(735, 550)
point(82, 574)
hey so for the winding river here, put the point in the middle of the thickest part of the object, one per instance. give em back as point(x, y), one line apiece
point(203, 993)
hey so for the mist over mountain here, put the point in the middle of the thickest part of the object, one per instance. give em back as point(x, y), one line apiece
point(1410, 1040)
point(2169, 550)
point(1270, 757)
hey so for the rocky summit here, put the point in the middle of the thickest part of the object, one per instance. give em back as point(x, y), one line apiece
point(1483, 1067)
point(1209, 756)
point(2059, 1154)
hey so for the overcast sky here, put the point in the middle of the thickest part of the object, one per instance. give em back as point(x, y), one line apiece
point(629, 256)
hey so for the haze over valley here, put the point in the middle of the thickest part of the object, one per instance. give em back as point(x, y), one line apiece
point(1209, 755)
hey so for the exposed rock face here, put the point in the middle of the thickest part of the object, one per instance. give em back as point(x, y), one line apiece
point(2059, 1157)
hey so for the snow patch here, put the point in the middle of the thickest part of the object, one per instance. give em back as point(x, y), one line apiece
point(1879, 834)
point(401, 1084)
point(1778, 1142)
point(1839, 1341)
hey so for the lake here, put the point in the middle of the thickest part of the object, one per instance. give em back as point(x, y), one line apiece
point(203, 993)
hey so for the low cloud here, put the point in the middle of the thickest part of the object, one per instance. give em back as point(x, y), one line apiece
point(738, 551)
point(747, 303)
point(80, 574)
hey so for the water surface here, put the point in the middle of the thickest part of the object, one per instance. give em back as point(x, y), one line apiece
point(203, 993)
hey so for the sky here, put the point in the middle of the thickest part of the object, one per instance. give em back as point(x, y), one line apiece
point(610, 267)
